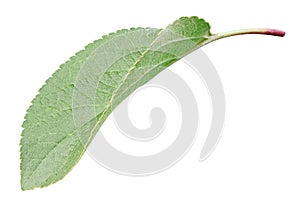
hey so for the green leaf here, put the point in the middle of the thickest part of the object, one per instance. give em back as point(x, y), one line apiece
point(73, 104)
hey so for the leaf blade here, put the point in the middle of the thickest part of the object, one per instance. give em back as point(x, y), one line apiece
point(52, 140)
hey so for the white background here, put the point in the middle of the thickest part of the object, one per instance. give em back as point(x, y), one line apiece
point(257, 159)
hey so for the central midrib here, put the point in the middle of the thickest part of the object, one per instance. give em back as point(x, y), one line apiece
point(120, 85)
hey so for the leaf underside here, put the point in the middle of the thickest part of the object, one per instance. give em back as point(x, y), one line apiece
point(75, 101)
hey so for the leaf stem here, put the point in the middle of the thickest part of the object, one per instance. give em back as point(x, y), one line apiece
point(263, 31)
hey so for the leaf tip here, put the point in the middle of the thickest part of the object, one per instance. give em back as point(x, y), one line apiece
point(24, 187)
point(24, 183)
